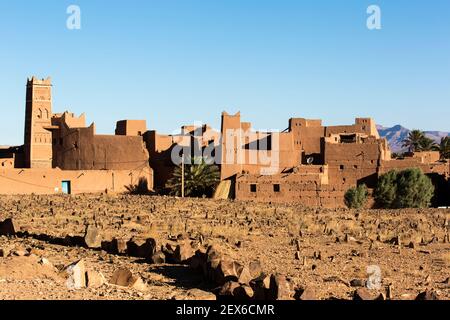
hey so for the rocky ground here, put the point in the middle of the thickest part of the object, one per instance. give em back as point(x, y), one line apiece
point(328, 252)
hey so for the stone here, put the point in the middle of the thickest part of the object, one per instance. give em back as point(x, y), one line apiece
point(308, 294)
point(76, 275)
point(118, 246)
point(228, 270)
point(141, 248)
point(280, 288)
point(255, 269)
point(196, 295)
point(92, 237)
point(228, 288)
point(260, 286)
point(427, 295)
point(243, 293)
point(183, 252)
point(94, 279)
point(7, 228)
point(4, 252)
point(358, 283)
point(158, 257)
point(245, 277)
point(138, 284)
point(363, 294)
point(198, 261)
point(121, 277)
point(124, 278)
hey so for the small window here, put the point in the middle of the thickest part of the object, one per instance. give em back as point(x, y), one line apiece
point(341, 167)
point(253, 188)
point(276, 188)
point(355, 166)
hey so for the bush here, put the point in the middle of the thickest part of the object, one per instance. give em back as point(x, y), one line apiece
point(141, 188)
point(356, 198)
point(410, 188)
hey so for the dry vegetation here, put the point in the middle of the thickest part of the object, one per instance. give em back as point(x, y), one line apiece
point(321, 249)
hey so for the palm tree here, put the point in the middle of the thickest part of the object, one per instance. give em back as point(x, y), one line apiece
point(427, 144)
point(200, 179)
point(444, 148)
point(414, 140)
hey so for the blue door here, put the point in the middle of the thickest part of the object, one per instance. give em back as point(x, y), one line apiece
point(66, 187)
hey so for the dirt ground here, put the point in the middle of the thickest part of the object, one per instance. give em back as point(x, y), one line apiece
point(323, 249)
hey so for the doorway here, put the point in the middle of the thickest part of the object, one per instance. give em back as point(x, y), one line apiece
point(66, 187)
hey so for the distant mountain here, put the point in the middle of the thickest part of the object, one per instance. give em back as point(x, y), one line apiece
point(396, 134)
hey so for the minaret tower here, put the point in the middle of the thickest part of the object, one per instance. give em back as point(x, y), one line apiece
point(38, 114)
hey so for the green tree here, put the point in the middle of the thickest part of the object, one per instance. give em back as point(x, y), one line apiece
point(386, 189)
point(200, 179)
point(356, 198)
point(413, 142)
point(409, 188)
point(444, 148)
point(427, 144)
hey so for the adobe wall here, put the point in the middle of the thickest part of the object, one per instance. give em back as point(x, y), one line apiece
point(306, 189)
point(131, 127)
point(81, 149)
point(49, 181)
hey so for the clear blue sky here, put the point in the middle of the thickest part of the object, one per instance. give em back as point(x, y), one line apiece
point(173, 62)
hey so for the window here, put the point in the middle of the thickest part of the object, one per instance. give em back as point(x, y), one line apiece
point(341, 167)
point(276, 188)
point(253, 188)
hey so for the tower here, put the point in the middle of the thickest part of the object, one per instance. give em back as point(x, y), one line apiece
point(38, 114)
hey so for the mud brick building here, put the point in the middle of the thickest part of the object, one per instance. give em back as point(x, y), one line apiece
point(62, 154)
point(307, 163)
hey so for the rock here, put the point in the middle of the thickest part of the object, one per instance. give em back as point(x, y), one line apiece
point(94, 279)
point(92, 237)
point(228, 288)
point(118, 246)
point(243, 293)
point(158, 257)
point(139, 284)
point(124, 278)
point(45, 262)
point(228, 270)
point(20, 252)
point(183, 253)
point(280, 288)
point(307, 294)
point(427, 295)
point(121, 277)
point(364, 294)
point(245, 277)
point(197, 295)
point(255, 269)
point(260, 286)
point(198, 261)
point(7, 228)
point(141, 248)
point(358, 283)
point(76, 275)
point(4, 252)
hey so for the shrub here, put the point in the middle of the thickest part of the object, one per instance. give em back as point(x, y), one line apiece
point(410, 188)
point(356, 198)
point(141, 188)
